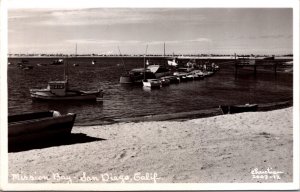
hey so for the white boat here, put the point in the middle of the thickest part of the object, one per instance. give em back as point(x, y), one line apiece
point(173, 63)
point(152, 83)
point(58, 90)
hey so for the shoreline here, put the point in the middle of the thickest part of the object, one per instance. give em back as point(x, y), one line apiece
point(184, 116)
point(226, 149)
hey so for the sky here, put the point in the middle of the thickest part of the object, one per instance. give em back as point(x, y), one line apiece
point(183, 30)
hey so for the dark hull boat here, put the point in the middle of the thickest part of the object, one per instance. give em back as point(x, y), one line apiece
point(231, 109)
point(136, 76)
point(38, 126)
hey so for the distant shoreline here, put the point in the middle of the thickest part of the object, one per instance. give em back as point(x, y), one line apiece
point(230, 57)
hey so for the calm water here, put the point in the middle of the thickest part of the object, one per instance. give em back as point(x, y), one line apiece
point(122, 101)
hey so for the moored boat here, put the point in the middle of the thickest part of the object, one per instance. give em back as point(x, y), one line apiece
point(58, 90)
point(231, 109)
point(136, 76)
point(172, 79)
point(164, 81)
point(38, 126)
point(159, 71)
point(57, 62)
point(152, 83)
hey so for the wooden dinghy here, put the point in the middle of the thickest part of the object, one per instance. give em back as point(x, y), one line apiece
point(231, 109)
point(39, 126)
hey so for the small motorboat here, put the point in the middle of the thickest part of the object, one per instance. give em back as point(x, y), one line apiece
point(181, 75)
point(41, 64)
point(165, 81)
point(152, 83)
point(58, 90)
point(173, 63)
point(231, 109)
point(25, 67)
point(173, 79)
point(38, 126)
point(198, 73)
point(58, 62)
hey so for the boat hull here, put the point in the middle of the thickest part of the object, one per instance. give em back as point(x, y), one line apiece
point(152, 83)
point(33, 127)
point(72, 95)
point(231, 109)
point(126, 80)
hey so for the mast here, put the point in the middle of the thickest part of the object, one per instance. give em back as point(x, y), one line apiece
point(164, 49)
point(145, 63)
point(122, 59)
point(76, 50)
point(66, 70)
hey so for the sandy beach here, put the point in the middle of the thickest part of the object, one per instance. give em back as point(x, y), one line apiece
point(246, 147)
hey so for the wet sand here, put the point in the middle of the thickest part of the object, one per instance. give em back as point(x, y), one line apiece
point(227, 148)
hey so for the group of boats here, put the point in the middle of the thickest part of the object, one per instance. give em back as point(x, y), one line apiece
point(156, 76)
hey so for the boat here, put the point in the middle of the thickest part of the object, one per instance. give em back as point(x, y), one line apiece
point(25, 66)
point(172, 79)
point(231, 109)
point(38, 126)
point(173, 63)
point(75, 65)
point(158, 70)
point(152, 83)
point(136, 76)
point(181, 75)
point(165, 81)
point(58, 62)
point(41, 64)
point(198, 73)
point(59, 90)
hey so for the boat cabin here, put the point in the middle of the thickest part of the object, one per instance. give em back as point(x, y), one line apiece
point(58, 87)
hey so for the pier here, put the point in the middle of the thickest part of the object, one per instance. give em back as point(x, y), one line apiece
point(268, 62)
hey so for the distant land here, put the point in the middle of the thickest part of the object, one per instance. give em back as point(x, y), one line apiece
point(179, 56)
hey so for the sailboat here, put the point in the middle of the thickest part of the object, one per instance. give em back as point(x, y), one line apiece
point(59, 90)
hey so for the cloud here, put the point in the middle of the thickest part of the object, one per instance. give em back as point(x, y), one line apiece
point(117, 42)
point(106, 16)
